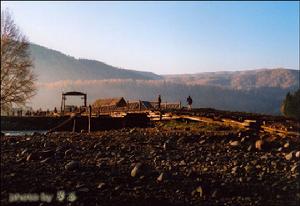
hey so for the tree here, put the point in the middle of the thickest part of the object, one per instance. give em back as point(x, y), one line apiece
point(17, 77)
point(291, 105)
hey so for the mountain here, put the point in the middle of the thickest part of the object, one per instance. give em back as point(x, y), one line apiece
point(260, 91)
point(243, 80)
point(51, 65)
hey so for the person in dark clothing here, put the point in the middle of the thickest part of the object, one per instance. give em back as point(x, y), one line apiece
point(159, 101)
point(190, 102)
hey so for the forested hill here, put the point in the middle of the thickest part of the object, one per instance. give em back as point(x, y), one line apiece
point(51, 65)
point(249, 79)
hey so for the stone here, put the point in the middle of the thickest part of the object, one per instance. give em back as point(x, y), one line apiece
point(97, 146)
point(286, 145)
point(136, 170)
point(83, 189)
point(72, 165)
point(202, 141)
point(101, 185)
point(160, 177)
point(132, 131)
point(32, 156)
point(166, 145)
point(182, 163)
point(274, 164)
point(60, 149)
point(297, 154)
point(294, 168)
point(68, 152)
point(199, 190)
point(284, 188)
point(47, 153)
point(248, 168)
point(289, 156)
point(137, 188)
point(117, 187)
point(234, 143)
point(259, 144)
point(181, 140)
point(264, 157)
point(121, 160)
point(235, 162)
point(46, 160)
point(214, 194)
point(24, 151)
point(254, 162)
point(234, 169)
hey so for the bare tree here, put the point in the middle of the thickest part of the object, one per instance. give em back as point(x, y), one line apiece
point(17, 77)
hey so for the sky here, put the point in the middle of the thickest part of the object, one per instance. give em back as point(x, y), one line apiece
point(167, 37)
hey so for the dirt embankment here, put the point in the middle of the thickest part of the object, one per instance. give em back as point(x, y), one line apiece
point(76, 123)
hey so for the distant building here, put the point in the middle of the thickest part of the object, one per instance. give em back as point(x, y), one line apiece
point(112, 102)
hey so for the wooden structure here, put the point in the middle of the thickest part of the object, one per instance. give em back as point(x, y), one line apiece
point(115, 105)
point(73, 93)
point(112, 102)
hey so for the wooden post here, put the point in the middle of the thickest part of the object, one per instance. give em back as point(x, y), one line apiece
point(85, 98)
point(64, 104)
point(90, 115)
point(179, 104)
point(140, 105)
point(61, 105)
point(74, 124)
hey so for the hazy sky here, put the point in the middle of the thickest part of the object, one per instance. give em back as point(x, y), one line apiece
point(167, 37)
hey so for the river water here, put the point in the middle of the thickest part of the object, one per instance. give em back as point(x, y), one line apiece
point(22, 132)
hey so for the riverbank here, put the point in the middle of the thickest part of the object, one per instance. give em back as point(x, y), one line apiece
point(173, 163)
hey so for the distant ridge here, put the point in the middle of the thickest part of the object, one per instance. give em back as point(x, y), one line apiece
point(51, 65)
point(248, 79)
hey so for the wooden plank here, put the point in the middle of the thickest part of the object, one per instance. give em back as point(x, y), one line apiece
point(272, 130)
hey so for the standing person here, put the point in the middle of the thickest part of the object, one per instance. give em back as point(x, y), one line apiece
point(190, 102)
point(159, 101)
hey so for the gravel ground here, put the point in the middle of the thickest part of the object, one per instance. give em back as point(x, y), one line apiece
point(171, 163)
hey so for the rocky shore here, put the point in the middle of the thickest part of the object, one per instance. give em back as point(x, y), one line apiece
point(171, 163)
